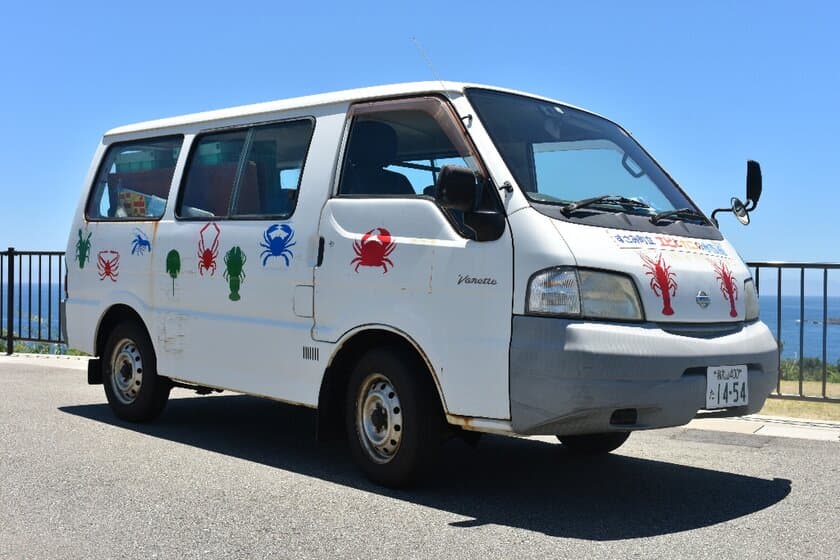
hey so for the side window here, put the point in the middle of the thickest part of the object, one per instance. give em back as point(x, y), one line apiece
point(271, 175)
point(211, 174)
point(133, 180)
point(247, 172)
point(399, 152)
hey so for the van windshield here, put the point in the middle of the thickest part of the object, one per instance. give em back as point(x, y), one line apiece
point(560, 155)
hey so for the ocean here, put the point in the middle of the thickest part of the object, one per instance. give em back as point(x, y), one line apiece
point(811, 327)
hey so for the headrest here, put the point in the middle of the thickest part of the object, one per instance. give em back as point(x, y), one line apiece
point(372, 143)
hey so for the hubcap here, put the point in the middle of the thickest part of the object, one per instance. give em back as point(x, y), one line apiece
point(126, 371)
point(379, 420)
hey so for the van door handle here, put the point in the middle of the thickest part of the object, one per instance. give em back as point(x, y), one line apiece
point(320, 252)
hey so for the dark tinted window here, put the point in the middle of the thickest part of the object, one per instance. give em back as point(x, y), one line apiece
point(210, 177)
point(133, 180)
point(273, 168)
point(247, 172)
point(396, 153)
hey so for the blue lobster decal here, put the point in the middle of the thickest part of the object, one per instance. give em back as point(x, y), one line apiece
point(140, 244)
point(277, 242)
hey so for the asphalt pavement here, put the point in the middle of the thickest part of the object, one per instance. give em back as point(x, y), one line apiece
point(231, 476)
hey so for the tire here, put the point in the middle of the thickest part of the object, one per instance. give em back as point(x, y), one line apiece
point(594, 444)
point(393, 419)
point(129, 374)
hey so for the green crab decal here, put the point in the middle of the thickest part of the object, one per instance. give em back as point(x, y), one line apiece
point(83, 248)
point(173, 266)
point(234, 273)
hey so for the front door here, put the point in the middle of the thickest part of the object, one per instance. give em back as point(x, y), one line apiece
point(393, 257)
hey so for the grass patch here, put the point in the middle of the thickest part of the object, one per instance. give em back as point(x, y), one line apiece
point(807, 410)
point(810, 388)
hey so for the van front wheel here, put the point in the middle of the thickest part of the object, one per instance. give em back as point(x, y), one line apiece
point(393, 418)
point(594, 444)
point(129, 374)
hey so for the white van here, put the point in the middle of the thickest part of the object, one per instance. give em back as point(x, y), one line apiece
point(413, 261)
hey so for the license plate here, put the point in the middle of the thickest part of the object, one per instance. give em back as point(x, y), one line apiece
point(726, 386)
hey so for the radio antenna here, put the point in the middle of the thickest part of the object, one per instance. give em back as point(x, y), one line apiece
point(427, 61)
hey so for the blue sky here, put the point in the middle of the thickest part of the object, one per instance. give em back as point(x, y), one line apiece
point(703, 86)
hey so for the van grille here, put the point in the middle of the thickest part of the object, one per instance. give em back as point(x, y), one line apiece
point(697, 330)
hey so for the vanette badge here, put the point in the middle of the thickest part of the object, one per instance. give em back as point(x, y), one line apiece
point(703, 299)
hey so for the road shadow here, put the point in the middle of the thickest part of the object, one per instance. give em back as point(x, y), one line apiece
point(505, 481)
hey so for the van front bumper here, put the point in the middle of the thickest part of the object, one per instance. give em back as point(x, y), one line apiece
point(570, 376)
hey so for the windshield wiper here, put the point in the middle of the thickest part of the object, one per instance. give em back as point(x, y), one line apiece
point(605, 199)
point(680, 213)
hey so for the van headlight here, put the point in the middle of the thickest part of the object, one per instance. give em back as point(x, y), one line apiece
point(751, 307)
point(591, 294)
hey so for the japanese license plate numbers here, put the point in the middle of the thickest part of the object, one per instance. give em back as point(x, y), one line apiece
point(726, 386)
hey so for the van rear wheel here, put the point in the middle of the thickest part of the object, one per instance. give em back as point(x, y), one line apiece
point(594, 444)
point(129, 374)
point(393, 418)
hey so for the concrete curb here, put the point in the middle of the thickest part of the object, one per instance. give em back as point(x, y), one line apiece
point(822, 430)
point(49, 360)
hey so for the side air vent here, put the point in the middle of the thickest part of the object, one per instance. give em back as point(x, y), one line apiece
point(310, 353)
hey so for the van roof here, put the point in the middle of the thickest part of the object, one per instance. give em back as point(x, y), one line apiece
point(349, 95)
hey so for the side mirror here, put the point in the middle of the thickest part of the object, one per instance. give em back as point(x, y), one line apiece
point(740, 211)
point(753, 184)
point(456, 188)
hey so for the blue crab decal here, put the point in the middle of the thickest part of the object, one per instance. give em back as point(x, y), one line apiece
point(277, 242)
point(140, 243)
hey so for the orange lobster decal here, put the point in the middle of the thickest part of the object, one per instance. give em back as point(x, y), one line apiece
point(662, 281)
point(373, 249)
point(728, 285)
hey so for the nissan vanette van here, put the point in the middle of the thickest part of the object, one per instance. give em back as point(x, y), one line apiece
point(413, 261)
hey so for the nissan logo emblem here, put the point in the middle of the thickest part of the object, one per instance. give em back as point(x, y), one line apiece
point(702, 299)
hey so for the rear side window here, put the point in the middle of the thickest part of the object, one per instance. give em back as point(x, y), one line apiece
point(133, 180)
point(253, 172)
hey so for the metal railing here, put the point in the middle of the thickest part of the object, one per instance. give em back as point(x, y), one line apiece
point(31, 288)
point(823, 384)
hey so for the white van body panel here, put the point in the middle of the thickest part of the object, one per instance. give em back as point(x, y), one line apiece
point(263, 337)
point(448, 294)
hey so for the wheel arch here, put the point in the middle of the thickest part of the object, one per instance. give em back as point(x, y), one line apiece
point(350, 347)
point(114, 315)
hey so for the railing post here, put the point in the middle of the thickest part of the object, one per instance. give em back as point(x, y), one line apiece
point(10, 315)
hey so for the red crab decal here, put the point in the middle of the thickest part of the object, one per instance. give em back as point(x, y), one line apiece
point(728, 285)
point(207, 252)
point(373, 249)
point(662, 281)
point(108, 263)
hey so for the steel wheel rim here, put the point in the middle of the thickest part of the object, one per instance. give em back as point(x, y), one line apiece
point(379, 421)
point(126, 371)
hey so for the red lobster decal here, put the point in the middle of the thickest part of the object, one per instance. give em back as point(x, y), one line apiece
point(108, 263)
point(207, 255)
point(728, 285)
point(662, 281)
point(373, 249)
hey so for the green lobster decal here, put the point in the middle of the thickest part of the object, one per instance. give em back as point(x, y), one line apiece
point(173, 266)
point(83, 248)
point(234, 273)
